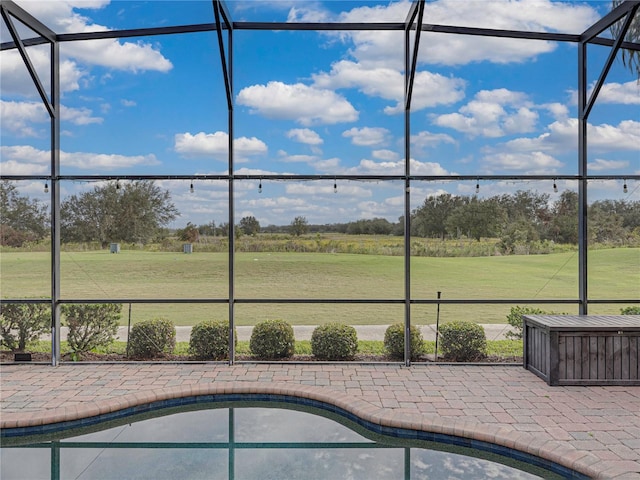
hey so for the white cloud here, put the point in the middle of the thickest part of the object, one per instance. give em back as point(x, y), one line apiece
point(600, 164)
point(304, 135)
point(388, 155)
point(557, 110)
point(285, 157)
point(366, 136)
point(128, 103)
point(216, 145)
point(430, 89)
point(530, 163)
point(370, 167)
point(382, 48)
point(320, 164)
point(613, 93)
point(112, 53)
point(25, 157)
point(78, 116)
point(321, 188)
point(12, 167)
point(620, 93)
point(492, 113)
point(304, 104)
point(16, 80)
point(103, 161)
point(18, 117)
point(133, 57)
point(387, 208)
point(562, 136)
point(427, 139)
point(328, 165)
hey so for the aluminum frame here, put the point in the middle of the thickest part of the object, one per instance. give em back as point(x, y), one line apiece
point(225, 25)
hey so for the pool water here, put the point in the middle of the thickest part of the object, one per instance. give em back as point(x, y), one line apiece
point(246, 441)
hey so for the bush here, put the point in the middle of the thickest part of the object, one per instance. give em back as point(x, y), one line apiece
point(630, 311)
point(152, 338)
point(210, 340)
point(515, 320)
point(21, 323)
point(463, 341)
point(334, 341)
point(272, 339)
point(91, 326)
point(394, 342)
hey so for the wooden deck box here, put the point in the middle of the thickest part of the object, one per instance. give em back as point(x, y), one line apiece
point(583, 349)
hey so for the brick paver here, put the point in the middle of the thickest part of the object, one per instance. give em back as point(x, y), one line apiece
point(596, 430)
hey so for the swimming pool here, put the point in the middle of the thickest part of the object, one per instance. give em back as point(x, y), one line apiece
point(259, 439)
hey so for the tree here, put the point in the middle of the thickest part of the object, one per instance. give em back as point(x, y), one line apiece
point(134, 212)
point(208, 229)
point(224, 230)
point(430, 219)
point(526, 206)
point(476, 218)
point(299, 226)
point(374, 226)
point(21, 219)
point(189, 233)
point(564, 222)
point(249, 225)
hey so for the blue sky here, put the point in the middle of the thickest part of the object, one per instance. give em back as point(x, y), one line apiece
point(319, 103)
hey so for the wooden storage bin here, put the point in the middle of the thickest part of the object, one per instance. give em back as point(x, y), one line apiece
point(583, 349)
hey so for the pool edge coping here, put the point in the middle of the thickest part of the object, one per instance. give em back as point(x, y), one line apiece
point(564, 455)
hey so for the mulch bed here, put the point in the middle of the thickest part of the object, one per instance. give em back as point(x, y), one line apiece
point(8, 357)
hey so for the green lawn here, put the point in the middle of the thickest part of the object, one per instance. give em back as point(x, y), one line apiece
point(613, 273)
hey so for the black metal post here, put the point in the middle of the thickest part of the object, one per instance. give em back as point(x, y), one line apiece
point(437, 324)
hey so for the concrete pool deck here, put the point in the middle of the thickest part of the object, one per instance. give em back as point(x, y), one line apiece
point(594, 430)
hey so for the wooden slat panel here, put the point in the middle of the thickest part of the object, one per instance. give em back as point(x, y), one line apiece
point(617, 357)
point(593, 357)
point(624, 358)
point(584, 357)
point(602, 357)
point(608, 356)
point(634, 355)
point(577, 357)
point(562, 357)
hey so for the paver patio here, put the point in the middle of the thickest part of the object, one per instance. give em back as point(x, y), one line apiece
point(595, 430)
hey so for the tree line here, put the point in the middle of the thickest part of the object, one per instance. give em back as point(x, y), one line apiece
point(140, 212)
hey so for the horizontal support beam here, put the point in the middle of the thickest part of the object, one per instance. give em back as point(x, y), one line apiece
point(328, 301)
point(355, 178)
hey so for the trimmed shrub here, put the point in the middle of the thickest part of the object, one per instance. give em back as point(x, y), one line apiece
point(272, 339)
point(630, 311)
point(394, 342)
point(515, 320)
point(334, 341)
point(21, 323)
point(209, 340)
point(90, 325)
point(463, 341)
point(152, 338)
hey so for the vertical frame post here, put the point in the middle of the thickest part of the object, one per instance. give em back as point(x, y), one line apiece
point(55, 204)
point(407, 206)
point(582, 180)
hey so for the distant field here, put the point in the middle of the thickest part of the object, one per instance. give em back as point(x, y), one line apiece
point(613, 273)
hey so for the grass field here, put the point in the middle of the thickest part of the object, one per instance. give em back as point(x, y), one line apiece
point(613, 274)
